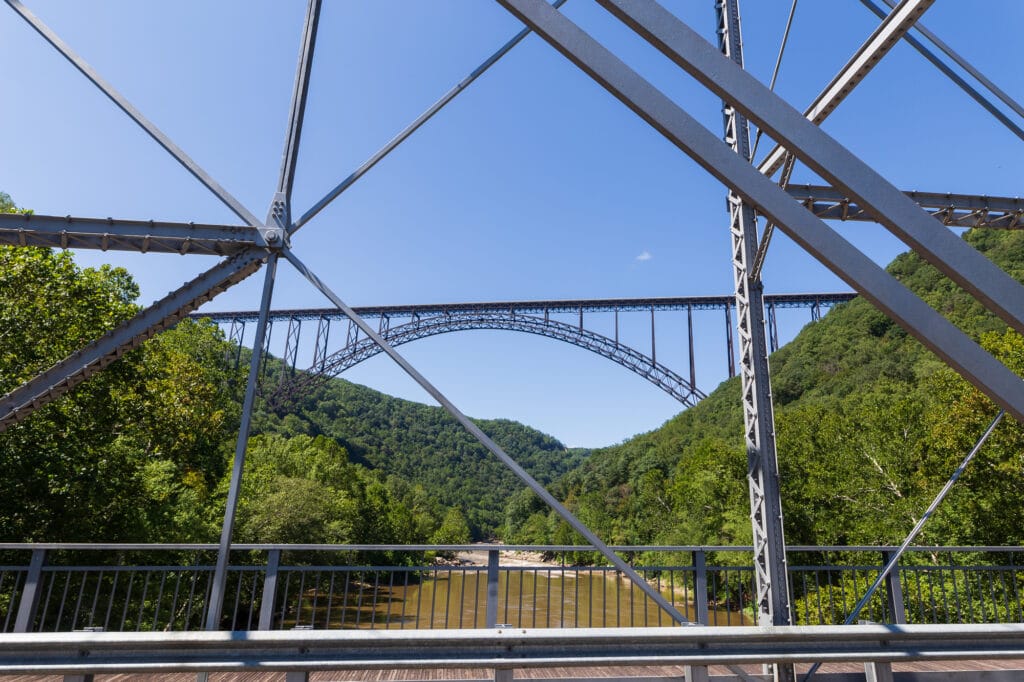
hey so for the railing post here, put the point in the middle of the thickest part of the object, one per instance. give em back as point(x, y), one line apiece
point(269, 590)
point(492, 589)
point(894, 592)
point(878, 672)
point(30, 592)
point(699, 673)
point(700, 587)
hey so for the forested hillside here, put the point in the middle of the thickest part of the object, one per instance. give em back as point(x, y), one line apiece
point(424, 444)
point(142, 451)
point(869, 424)
point(869, 427)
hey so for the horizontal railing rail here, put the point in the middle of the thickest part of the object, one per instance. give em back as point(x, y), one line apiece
point(77, 653)
point(130, 587)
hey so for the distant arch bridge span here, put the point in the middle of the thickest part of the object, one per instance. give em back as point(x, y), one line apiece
point(531, 317)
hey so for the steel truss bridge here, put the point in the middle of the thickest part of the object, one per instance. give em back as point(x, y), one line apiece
point(531, 317)
point(853, 191)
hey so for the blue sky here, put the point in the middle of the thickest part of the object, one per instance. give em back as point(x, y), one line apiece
point(534, 184)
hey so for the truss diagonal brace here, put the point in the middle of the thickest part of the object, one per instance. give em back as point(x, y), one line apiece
point(999, 292)
point(888, 33)
point(298, 108)
point(485, 440)
point(105, 234)
point(117, 98)
point(413, 127)
point(845, 260)
point(82, 364)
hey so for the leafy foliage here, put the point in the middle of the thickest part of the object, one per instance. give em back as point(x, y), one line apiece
point(869, 426)
point(421, 443)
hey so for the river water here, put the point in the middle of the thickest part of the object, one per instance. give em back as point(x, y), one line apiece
point(528, 597)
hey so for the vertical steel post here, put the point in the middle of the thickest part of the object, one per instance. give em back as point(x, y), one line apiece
point(689, 333)
point(492, 589)
point(323, 332)
point(730, 348)
point(772, 598)
point(700, 587)
point(30, 592)
point(235, 336)
point(291, 347)
point(773, 329)
point(269, 590)
point(699, 673)
point(894, 592)
point(265, 344)
point(216, 608)
point(654, 353)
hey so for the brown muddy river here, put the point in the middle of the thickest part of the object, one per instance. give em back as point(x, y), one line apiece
point(457, 598)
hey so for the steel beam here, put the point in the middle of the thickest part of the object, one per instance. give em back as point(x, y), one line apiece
point(598, 305)
point(144, 236)
point(889, 32)
point(952, 210)
point(999, 292)
point(845, 260)
point(218, 586)
point(398, 139)
point(164, 652)
point(82, 364)
point(964, 64)
point(955, 77)
point(771, 585)
point(124, 105)
point(290, 156)
point(486, 441)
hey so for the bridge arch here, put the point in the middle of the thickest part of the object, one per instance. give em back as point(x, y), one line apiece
point(419, 328)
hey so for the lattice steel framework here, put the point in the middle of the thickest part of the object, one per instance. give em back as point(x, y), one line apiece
point(256, 242)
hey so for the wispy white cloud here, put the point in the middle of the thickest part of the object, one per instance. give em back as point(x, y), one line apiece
point(644, 255)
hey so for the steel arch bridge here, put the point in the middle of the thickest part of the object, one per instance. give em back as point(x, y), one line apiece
point(420, 328)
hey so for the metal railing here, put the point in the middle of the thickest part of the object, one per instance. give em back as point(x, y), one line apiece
point(144, 588)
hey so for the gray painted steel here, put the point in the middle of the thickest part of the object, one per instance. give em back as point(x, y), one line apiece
point(954, 76)
point(127, 235)
point(600, 305)
point(398, 139)
point(88, 652)
point(867, 56)
point(352, 354)
point(82, 364)
point(913, 314)
point(238, 465)
point(957, 260)
point(124, 105)
point(772, 597)
point(486, 441)
point(953, 210)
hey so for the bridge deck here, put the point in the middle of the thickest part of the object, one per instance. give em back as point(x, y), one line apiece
point(555, 673)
